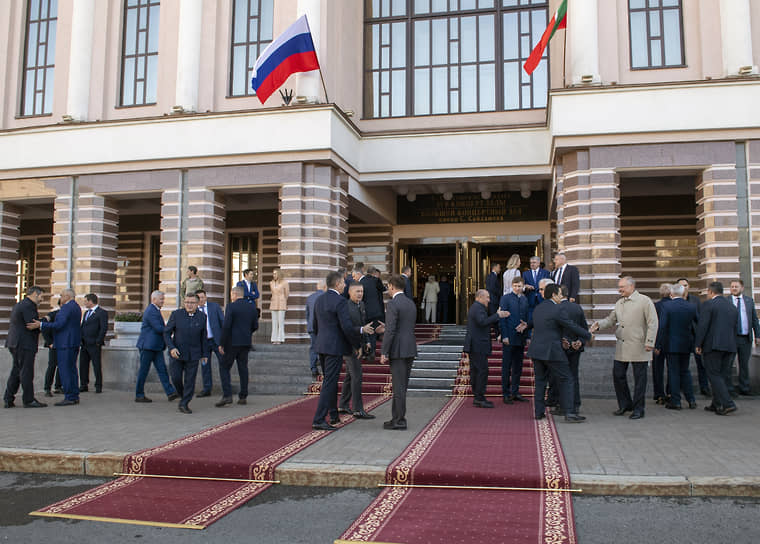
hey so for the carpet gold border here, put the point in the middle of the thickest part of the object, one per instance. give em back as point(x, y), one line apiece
point(195, 478)
point(483, 488)
point(117, 520)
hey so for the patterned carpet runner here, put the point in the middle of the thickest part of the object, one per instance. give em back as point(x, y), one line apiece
point(224, 458)
point(464, 446)
point(462, 385)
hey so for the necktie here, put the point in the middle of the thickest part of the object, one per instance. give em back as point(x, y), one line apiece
point(534, 276)
point(559, 275)
point(741, 314)
point(87, 315)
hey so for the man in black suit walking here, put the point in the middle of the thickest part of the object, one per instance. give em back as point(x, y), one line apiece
point(352, 383)
point(716, 340)
point(550, 324)
point(406, 273)
point(399, 348)
point(373, 305)
point(574, 344)
point(22, 343)
point(336, 337)
point(240, 322)
point(566, 274)
point(477, 344)
point(747, 328)
point(704, 383)
point(94, 328)
point(51, 374)
point(185, 335)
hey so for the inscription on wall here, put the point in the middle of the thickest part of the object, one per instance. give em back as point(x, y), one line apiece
point(473, 208)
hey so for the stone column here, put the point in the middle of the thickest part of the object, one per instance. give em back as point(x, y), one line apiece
point(309, 84)
point(206, 239)
point(173, 260)
point(588, 230)
point(64, 236)
point(583, 38)
point(95, 243)
point(80, 59)
point(736, 37)
point(717, 224)
point(313, 237)
point(10, 222)
point(189, 54)
point(753, 178)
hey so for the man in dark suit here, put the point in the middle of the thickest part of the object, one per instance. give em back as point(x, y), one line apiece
point(399, 348)
point(477, 344)
point(240, 322)
point(494, 288)
point(658, 356)
point(51, 374)
point(214, 320)
point(444, 295)
point(22, 343)
point(94, 328)
point(250, 290)
point(336, 337)
point(550, 324)
point(187, 338)
point(675, 338)
point(566, 274)
point(704, 383)
point(151, 346)
point(352, 383)
point(531, 277)
point(311, 300)
point(716, 341)
point(573, 344)
point(406, 273)
point(513, 347)
point(348, 275)
point(373, 304)
point(748, 328)
point(67, 337)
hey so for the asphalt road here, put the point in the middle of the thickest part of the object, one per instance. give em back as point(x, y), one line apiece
point(319, 515)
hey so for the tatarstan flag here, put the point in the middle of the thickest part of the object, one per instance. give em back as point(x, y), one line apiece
point(558, 21)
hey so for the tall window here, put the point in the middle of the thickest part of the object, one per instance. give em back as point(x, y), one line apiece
point(427, 57)
point(656, 31)
point(139, 60)
point(39, 57)
point(251, 33)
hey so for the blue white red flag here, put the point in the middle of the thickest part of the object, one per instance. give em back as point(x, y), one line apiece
point(293, 51)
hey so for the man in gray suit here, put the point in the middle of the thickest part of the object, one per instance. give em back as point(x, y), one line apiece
point(747, 328)
point(399, 348)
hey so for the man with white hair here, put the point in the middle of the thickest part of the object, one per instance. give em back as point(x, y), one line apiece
point(635, 319)
point(151, 346)
point(532, 277)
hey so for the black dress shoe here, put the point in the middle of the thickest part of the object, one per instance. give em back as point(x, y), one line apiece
point(224, 401)
point(621, 411)
point(84, 389)
point(486, 404)
point(334, 420)
point(173, 396)
point(519, 398)
point(557, 412)
point(98, 390)
point(671, 406)
point(541, 416)
point(142, 399)
point(35, 404)
point(692, 405)
point(363, 415)
point(508, 400)
point(730, 409)
point(706, 392)
point(65, 402)
point(8, 404)
point(574, 418)
point(747, 394)
point(184, 409)
point(344, 411)
point(710, 408)
point(242, 401)
point(323, 427)
point(203, 394)
point(388, 424)
point(636, 415)
point(392, 426)
point(58, 391)
point(48, 394)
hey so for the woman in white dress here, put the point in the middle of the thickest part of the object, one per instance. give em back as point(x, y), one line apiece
point(513, 269)
point(430, 299)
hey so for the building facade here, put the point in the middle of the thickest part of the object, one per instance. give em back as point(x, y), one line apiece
point(131, 145)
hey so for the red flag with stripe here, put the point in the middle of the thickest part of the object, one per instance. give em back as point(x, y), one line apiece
point(556, 23)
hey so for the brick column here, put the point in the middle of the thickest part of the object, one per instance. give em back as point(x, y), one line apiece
point(717, 224)
point(588, 230)
point(64, 225)
point(172, 262)
point(753, 176)
point(95, 243)
point(10, 221)
point(313, 237)
point(205, 239)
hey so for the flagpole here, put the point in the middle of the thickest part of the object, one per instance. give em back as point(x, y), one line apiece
point(316, 54)
point(322, 78)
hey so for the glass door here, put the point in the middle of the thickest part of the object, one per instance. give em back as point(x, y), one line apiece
point(243, 254)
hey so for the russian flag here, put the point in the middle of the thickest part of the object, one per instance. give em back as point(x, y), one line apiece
point(293, 51)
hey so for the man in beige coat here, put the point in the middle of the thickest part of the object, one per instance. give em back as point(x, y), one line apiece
point(636, 332)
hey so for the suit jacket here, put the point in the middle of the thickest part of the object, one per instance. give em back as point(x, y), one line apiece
point(550, 324)
point(152, 330)
point(716, 328)
point(67, 331)
point(187, 333)
point(349, 280)
point(311, 300)
point(658, 306)
point(373, 298)
point(215, 316)
point(408, 287)
point(572, 278)
point(18, 335)
point(478, 337)
point(47, 334)
point(493, 288)
point(518, 311)
point(94, 329)
point(445, 292)
point(240, 321)
point(250, 295)
point(533, 297)
point(575, 313)
point(336, 335)
point(399, 341)
point(358, 314)
point(678, 319)
point(750, 316)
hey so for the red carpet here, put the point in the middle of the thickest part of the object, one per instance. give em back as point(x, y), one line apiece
point(462, 385)
point(249, 448)
point(468, 446)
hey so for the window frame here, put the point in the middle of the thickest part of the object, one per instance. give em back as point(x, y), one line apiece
point(649, 39)
point(249, 92)
point(37, 68)
point(123, 56)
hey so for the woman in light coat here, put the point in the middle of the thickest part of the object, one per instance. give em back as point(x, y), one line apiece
point(278, 304)
point(430, 299)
